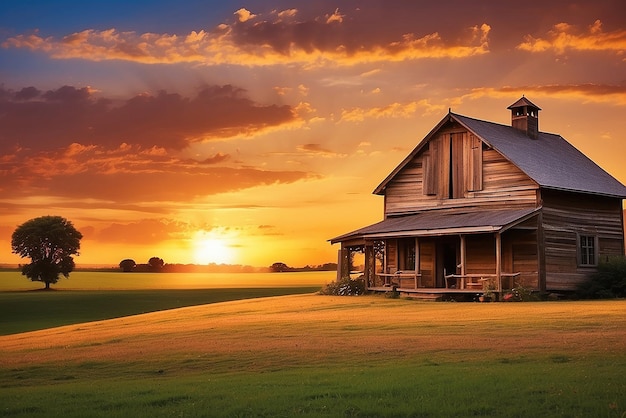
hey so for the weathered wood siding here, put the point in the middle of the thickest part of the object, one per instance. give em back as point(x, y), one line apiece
point(480, 254)
point(565, 217)
point(428, 181)
point(520, 253)
point(391, 255)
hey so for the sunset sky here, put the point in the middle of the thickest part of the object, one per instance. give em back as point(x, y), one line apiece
point(252, 132)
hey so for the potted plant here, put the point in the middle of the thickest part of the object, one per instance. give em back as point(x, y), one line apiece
point(488, 294)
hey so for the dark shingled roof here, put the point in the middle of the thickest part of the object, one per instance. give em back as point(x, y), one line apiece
point(441, 222)
point(549, 160)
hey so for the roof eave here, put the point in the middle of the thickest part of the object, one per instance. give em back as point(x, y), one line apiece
point(435, 232)
point(563, 189)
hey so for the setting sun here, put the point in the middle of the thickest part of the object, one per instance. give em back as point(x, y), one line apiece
point(208, 249)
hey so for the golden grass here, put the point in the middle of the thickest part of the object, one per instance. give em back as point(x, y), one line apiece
point(312, 329)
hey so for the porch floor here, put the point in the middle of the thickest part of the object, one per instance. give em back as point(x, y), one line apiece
point(426, 290)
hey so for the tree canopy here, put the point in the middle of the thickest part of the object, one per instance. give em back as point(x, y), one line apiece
point(50, 242)
point(128, 264)
point(156, 263)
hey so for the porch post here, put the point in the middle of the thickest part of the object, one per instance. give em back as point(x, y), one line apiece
point(498, 261)
point(370, 264)
point(463, 257)
point(339, 263)
point(343, 263)
point(417, 263)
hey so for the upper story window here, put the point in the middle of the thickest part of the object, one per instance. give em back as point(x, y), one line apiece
point(587, 250)
point(453, 165)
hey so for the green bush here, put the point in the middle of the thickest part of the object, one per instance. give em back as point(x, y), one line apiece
point(608, 282)
point(519, 293)
point(345, 287)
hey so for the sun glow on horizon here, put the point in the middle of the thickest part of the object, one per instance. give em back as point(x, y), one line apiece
point(209, 248)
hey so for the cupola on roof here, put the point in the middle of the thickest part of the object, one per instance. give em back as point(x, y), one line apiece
point(525, 117)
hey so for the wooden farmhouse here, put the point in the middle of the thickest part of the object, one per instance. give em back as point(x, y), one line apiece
point(479, 205)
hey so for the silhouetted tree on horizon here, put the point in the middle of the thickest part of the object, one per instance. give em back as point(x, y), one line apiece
point(279, 267)
point(156, 263)
point(127, 265)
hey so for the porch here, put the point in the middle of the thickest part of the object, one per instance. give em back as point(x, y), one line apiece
point(455, 254)
point(409, 284)
point(430, 294)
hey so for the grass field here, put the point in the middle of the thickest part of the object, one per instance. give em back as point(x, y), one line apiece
point(90, 296)
point(310, 355)
point(29, 311)
point(98, 280)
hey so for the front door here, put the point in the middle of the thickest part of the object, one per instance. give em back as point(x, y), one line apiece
point(406, 252)
point(448, 250)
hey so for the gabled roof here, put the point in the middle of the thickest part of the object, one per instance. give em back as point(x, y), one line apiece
point(441, 222)
point(549, 160)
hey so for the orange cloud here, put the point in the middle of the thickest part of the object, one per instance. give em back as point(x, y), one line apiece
point(393, 110)
point(128, 174)
point(565, 37)
point(143, 232)
point(318, 150)
point(599, 93)
point(243, 15)
point(252, 40)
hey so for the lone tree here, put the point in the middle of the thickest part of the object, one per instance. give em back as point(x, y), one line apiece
point(50, 242)
point(127, 265)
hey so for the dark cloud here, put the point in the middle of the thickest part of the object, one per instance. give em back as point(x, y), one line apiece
point(27, 93)
point(69, 144)
point(217, 158)
point(66, 94)
point(364, 26)
point(57, 118)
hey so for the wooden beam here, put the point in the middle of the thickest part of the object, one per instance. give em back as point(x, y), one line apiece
point(463, 259)
point(498, 261)
point(541, 253)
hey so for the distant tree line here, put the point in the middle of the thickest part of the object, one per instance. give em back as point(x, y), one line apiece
point(156, 264)
point(282, 267)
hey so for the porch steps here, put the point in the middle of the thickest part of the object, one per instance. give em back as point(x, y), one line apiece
point(432, 297)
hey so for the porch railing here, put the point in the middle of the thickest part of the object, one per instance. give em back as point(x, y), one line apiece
point(388, 278)
point(477, 281)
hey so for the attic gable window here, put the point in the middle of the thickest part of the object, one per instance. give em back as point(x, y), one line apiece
point(453, 166)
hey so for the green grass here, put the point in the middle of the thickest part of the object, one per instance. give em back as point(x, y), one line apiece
point(421, 387)
point(316, 356)
point(34, 310)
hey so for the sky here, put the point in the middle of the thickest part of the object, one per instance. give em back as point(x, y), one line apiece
point(252, 132)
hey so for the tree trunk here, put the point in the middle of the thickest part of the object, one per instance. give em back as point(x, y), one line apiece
point(47, 285)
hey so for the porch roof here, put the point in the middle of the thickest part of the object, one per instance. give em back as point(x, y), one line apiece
point(437, 223)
